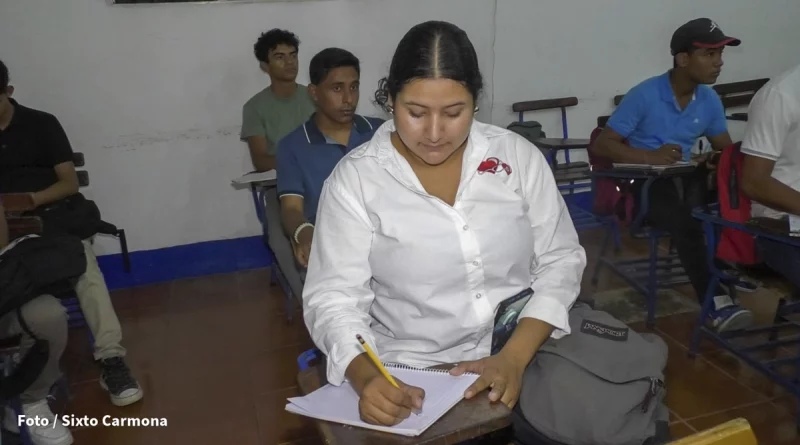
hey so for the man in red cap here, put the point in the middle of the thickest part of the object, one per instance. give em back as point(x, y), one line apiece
point(659, 122)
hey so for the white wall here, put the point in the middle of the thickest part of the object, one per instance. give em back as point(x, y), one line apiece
point(152, 94)
point(596, 49)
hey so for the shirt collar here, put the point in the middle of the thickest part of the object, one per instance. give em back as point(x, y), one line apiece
point(315, 136)
point(667, 93)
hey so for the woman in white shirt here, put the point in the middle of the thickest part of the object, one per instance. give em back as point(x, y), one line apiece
point(424, 230)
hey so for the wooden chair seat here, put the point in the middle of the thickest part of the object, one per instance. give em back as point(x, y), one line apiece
point(572, 176)
point(562, 144)
point(16, 202)
point(572, 167)
point(19, 226)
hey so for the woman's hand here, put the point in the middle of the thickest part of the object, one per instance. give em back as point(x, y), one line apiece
point(383, 404)
point(500, 372)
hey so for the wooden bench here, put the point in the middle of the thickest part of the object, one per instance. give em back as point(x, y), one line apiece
point(469, 419)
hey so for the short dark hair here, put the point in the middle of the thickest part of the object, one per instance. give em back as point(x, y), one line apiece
point(432, 49)
point(4, 79)
point(689, 51)
point(271, 39)
point(329, 58)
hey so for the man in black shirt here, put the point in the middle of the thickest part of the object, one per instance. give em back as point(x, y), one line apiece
point(36, 158)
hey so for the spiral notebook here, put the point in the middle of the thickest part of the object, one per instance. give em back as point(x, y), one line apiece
point(339, 404)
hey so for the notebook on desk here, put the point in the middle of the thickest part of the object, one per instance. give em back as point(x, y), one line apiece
point(269, 175)
point(339, 404)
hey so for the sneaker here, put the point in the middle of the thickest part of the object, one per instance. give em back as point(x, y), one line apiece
point(117, 380)
point(729, 316)
point(41, 434)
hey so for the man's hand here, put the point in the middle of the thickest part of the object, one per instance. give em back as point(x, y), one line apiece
point(500, 372)
point(302, 249)
point(380, 403)
point(709, 159)
point(665, 155)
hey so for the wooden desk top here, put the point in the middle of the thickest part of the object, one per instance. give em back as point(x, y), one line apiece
point(16, 202)
point(561, 144)
point(467, 420)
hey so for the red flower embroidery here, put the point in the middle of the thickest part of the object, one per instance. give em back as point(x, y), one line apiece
point(493, 165)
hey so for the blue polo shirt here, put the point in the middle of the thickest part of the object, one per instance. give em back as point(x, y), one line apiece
point(649, 116)
point(306, 158)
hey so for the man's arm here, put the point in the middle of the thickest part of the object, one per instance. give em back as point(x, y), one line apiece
point(254, 132)
point(67, 185)
point(609, 145)
point(771, 116)
point(720, 141)
point(291, 190)
point(292, 215)
point(259, 153)
point(760, 186)
point(59, 155)
point(620, 125)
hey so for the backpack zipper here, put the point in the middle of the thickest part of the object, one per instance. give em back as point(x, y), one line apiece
point(655, 387)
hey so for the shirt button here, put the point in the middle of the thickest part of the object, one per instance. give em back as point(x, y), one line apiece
point(478, 296)
point(466, 227)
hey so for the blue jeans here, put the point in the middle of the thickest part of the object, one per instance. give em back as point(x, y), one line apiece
point(781, 258)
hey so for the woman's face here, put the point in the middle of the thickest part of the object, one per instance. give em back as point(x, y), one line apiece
point(433, 118)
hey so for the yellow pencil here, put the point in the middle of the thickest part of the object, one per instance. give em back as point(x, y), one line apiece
point(377, 362)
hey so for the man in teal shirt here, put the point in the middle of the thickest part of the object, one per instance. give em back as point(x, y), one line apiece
point(281, 107)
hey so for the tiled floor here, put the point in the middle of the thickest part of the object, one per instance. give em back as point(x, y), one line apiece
point(217, 358)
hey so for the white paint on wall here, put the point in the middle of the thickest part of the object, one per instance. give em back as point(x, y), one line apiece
point(152, 94)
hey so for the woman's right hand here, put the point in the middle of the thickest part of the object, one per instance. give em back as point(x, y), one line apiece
point(383, 404)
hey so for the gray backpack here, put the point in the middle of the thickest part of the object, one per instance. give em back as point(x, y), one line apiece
point(530, 130)
point(602, 384)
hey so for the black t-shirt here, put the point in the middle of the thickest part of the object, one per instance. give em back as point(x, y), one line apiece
point(32, 144)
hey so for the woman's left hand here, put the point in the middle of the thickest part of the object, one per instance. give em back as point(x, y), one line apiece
point(499, 372)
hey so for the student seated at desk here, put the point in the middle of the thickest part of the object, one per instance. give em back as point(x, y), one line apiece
point(771, 169)
point(307, 155)
point(419, 238)
point(46, 319)
point(658, 122)
point(36, 158)
point(279, 108)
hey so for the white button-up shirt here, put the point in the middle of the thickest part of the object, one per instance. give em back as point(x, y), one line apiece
point(420, 280)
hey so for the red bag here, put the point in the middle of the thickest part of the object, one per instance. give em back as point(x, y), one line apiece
point(734, 245)
point(611, 196)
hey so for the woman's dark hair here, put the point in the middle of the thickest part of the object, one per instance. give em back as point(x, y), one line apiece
point(4, 79)
point(327, 60)
point(270, 40)
point(431, 50)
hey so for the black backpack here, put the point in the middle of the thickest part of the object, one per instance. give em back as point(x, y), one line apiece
point(74, 215)
point(32, 267)
point(39, 265)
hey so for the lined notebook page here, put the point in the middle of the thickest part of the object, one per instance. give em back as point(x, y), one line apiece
point(340, 404)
